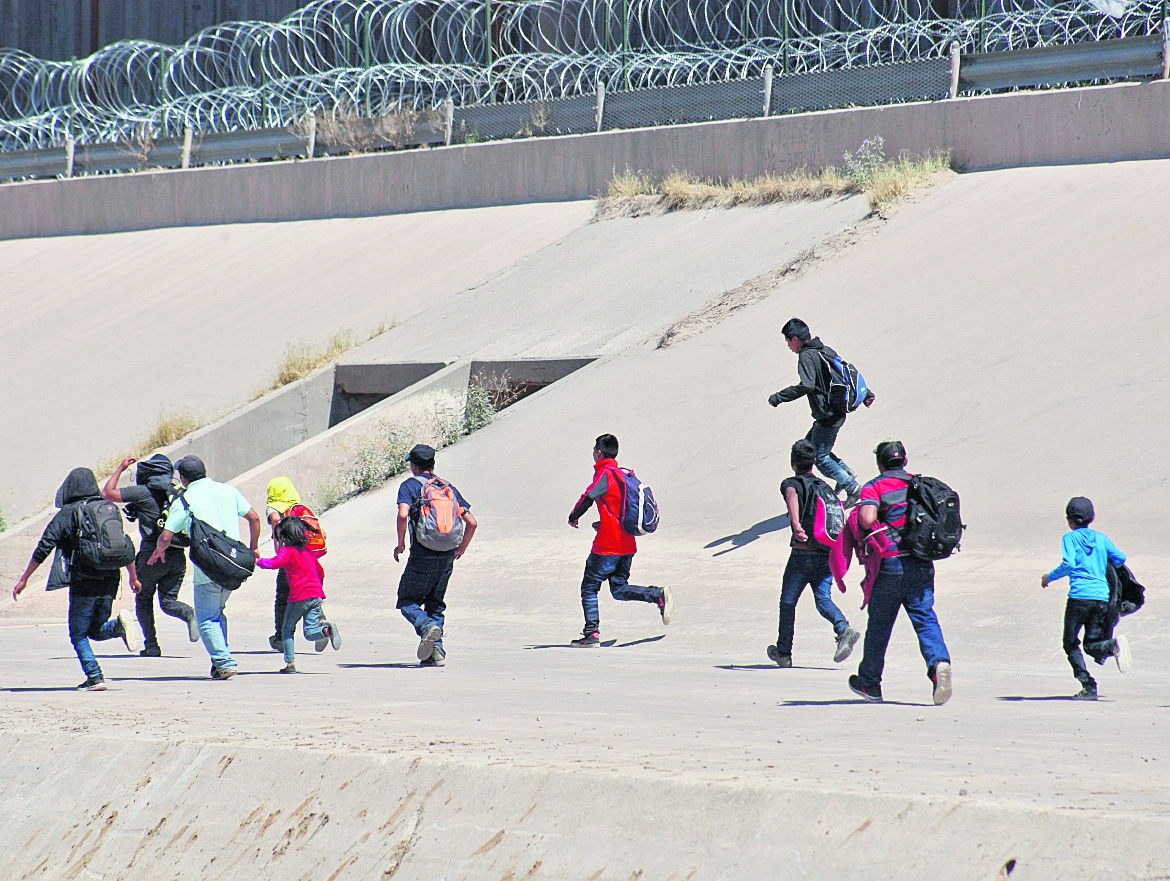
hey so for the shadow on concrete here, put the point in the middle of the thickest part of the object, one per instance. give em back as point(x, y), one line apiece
point(1053, 697)
point(769, 667)
point(54, 688)
point(605, 644)
point(847, 701)
point(626, 645)
point(388, 666)
point(772, 524)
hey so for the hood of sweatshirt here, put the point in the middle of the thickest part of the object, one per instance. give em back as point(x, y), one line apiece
point(78, 486)
point(1085, 540)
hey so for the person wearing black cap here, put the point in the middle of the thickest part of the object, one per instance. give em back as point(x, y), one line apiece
point(903, 581)
point(1085, 555)
point(220, 506)
point(441, 527)
point(147, 502)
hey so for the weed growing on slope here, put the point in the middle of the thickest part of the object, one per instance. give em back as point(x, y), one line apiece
point(896, 179)
point(863, 163)
point(171, 427)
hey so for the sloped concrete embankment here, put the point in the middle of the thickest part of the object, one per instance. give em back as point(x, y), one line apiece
point(118, 810)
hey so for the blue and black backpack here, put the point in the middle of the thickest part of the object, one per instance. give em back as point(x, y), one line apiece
point(847, 389)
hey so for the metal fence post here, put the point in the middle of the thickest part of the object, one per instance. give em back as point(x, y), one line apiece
point(487, 47)
point(625, 41)
point(70, 152)
point(982, 25)
point(767, 90)
point(955, 58)
point(784, 68)
point(449, 121)
point(311, 146)
point(188, 138)
point(600, 103)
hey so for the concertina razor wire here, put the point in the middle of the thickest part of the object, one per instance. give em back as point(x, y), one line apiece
point(372, 57)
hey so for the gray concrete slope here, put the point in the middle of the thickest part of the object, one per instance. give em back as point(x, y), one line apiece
point(103, 332)
point(1011, 326)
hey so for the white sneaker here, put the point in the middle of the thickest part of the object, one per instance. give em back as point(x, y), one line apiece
point(942, 683)
point(1121, 653)
point(434, 634)
point(666, 607)
point(130, 634)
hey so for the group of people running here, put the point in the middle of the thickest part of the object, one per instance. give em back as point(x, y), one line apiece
point(165, 500)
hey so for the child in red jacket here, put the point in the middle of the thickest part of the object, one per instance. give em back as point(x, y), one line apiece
point(305, 591)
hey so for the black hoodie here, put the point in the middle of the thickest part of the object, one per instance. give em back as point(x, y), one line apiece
point(79, 486)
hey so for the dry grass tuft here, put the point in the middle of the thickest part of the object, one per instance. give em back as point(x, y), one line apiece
point(896, 179)
point(171, 427)
point(303, 358)
point(631, 183)
point(682, 191)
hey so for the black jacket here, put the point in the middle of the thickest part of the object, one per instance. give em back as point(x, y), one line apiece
point(814, 381)
point(61, 533)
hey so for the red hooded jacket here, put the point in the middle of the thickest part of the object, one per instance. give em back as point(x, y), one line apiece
point(606, 490)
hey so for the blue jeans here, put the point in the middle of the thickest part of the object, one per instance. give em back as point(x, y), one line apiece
point(902, 582)
point(314, 617)
point(422, 590)
point(89, 618)
point(598, 568)
point(822, 436)
point(805, 568)
point(210, 599)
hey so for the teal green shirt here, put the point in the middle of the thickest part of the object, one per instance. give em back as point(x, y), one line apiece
point(216, 504)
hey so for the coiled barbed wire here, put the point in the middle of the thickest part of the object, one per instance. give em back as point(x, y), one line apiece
point(370, 57)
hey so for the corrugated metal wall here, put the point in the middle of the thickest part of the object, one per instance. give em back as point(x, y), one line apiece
point(63, 29)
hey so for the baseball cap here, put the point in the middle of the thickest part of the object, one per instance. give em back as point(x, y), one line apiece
point(191, 468)
point(420, 454)
point(1080, 511)
point(890, 452)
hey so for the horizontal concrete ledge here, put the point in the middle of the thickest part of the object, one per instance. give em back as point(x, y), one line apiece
point(88, 806)
point(1103, 123)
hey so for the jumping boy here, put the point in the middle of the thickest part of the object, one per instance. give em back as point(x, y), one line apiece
point(613, 548)
point(808, 562)
point(422, 590)
point(1085, 554)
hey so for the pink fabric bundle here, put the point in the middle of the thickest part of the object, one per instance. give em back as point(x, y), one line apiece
point(869, 549)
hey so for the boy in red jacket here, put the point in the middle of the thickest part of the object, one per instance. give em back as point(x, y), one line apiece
point(613, 548)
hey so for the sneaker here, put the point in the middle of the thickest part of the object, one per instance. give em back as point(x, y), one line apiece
point(290, 667)
point(427, 646)
point(130, 634)
point(321, 643)
point(1121, 653)
point(845, 643)
point(151, 652)
point(223, 672)
point(438, 658)
point(192, 628)
point(666, 604)
point(333, 635)
point(589, 641)
point(277, 644)
point(779, 659)
point(851, 496)
point(1087, 693)
point(869, 692)
point(94, 683)
point(942, 683)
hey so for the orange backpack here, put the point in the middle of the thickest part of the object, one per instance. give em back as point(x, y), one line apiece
point(313, 531)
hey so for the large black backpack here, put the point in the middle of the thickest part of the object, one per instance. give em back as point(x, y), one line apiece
point(821, 515)
point(933, 526)
point(222, 558)
point(102, 544)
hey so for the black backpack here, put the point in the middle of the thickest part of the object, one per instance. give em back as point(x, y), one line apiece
point(821, 522)
point(933, 526)
point(222, 558)
point(1126, 593)
point(102, 544)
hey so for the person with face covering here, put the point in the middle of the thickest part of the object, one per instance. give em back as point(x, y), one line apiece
point(91, 592)
point(147, 502)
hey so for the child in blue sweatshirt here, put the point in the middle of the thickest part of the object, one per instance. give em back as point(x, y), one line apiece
point(1086, 555)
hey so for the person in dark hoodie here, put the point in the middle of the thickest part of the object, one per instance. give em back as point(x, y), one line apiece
point(1085, 557)
point(147, 502)
point(813, 371)
point(91, 593)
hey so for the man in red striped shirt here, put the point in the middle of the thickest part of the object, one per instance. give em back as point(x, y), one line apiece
point(904, 581)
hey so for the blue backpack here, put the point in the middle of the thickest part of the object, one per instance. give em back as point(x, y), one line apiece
point(847, 389)
point(639, 510)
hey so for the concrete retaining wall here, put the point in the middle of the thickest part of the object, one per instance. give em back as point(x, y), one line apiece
point(1126, 121)
point(88, 807)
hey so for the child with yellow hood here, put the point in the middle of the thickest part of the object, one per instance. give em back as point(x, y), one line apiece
point(285, 501)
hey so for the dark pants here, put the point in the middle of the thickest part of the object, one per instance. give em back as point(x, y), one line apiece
point(165, 577)
point(822, 436)
point(89, 618)
point(807, 568)
point(902, 582)
point(1094, 616)
point(616, 570)
point(280, 604)
point(422, 590)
